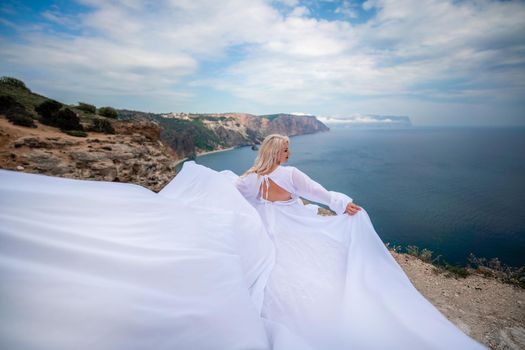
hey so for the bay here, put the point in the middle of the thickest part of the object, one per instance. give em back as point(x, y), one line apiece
point(451, 190)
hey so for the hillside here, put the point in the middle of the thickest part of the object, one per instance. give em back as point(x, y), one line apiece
point(79, 143)
point(189, 134)
point(40, 135)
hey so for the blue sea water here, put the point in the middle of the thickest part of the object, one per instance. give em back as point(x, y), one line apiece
point(451, 190)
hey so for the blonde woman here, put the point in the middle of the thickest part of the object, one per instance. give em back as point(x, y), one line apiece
point(334, 283)
point(306, 285)
point(268, 181)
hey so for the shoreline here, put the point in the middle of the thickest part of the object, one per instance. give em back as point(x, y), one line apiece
point(179, 161)
point(198, 154)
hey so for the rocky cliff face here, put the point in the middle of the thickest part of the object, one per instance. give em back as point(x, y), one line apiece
point(292, 125)
point(134, 154)
point(141, 148)
point(192, 133)
point(145, 147)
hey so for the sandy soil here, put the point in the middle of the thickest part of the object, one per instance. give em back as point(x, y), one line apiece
point(489, 311)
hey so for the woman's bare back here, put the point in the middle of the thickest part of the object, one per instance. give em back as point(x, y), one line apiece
point(275, 192)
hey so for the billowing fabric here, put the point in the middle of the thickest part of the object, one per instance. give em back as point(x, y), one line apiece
point(97, 265)
point(334, 282)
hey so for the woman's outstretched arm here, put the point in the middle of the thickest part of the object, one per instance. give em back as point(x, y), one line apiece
point(311, 190)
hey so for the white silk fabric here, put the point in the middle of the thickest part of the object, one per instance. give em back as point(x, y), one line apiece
point(294, 181)
point(98, 265)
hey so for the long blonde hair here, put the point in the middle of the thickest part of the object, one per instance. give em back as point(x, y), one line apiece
point(269, 154)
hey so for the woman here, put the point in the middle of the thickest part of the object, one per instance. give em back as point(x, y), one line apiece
point(334, 283)
point(267, 173)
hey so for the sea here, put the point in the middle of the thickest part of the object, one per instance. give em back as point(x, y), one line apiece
point(454, 191)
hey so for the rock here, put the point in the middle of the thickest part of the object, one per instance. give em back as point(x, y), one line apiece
point(143, 129)
point(105, 170)
point(137, 155)
point(463, 326)
point(31, 142)
point(512, 338)
point(47, 163)
point(85, 158)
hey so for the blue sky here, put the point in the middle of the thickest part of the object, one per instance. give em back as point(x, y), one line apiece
point(440, 62)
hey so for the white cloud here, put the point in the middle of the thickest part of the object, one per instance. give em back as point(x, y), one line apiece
point(356, 119)
point(409, 50)
point(300, 11)
point(348, 9)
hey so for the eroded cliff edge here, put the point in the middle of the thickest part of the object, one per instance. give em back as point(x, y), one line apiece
point(133, 154)
point(41, 135)
point(192, 133)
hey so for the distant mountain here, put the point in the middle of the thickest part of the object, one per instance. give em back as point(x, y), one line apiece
point(370, 120)
point(191, 133)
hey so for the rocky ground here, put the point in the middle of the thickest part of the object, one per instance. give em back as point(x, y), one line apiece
point(134, 154)
point(489, 311)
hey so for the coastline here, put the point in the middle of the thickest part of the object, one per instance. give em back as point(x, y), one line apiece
point(182, 160)
point(198, 154)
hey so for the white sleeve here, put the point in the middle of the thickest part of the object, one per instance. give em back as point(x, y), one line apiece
point(311, 190)
point(246, 186)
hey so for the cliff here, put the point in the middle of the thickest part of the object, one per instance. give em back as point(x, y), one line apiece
point(40, 135)
point(189, 134)
point(488, 310)
point(133, 154)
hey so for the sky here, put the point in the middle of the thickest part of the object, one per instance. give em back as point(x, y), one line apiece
point(440, 62)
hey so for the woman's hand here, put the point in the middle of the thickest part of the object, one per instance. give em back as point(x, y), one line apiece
point(352, 208)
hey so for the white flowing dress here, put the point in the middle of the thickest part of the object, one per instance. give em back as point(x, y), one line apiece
point(203, 264)
point(334, 282)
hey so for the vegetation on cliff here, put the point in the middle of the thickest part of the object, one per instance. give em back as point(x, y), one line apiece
point(23, 107)
point(78, 141)
point(190, 133)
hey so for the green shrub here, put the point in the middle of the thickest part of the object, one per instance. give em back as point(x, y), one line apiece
point(108, 112)
point(18, 116)
point(53, 115)
point(13, 82)
point(412, 250)
point(77, 133)
point(6, 103)
point(48, 110)
point(270, 117)
point(86, 107)
point(503, 272)
point(456, 270)
point(15, 112)
point(488, 268)
point(102, 125)
point(423, 254)
point(66, 119)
